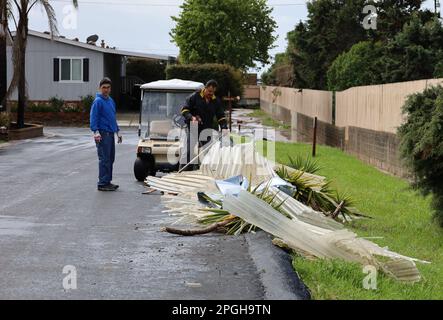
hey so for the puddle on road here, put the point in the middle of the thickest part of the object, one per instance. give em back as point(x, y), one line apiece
point(250, 125)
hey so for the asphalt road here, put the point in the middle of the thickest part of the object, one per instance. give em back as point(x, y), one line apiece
point(52, 216)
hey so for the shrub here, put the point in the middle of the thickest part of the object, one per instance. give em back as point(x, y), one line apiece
point(42, 107)
point(357, 67)
point(4, 119)
point(13, 106)
point(71, 108)
point(422, 144)
point(228, 78)
point(56, 104)
point(86, 103)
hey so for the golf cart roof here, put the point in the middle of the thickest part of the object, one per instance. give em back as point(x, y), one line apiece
point(174, 84)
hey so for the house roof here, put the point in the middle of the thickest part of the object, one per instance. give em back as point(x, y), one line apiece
point(97, 48)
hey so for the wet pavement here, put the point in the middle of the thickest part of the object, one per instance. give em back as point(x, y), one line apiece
point(244, 124)
point(52, 216)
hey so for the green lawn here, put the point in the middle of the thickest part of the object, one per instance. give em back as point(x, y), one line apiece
point(401, 216)
point(267, 120)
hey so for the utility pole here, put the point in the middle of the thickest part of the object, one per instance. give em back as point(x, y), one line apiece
point(3, 54)
point(437, 8)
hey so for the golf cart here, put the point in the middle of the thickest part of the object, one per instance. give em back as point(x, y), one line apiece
point(160, 112)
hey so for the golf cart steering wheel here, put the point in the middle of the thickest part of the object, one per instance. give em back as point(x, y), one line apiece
point(180, 121)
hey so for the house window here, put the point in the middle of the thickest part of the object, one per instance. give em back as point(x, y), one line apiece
point(71, 69)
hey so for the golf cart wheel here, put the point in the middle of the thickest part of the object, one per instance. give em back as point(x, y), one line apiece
point(142, 168)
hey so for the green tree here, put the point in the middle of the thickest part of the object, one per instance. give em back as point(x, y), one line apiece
point(333, 26)
point(392, 15)
point(357, 67)
point(415, 53)
point(20, 13)
point(421, 144)
point(280, 73)
point(239, 33)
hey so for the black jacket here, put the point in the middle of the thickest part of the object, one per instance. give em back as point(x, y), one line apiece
point(196, 105)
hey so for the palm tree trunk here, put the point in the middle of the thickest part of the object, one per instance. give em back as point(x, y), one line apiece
point(21, 94)
point(3, 53)
point(22, 32)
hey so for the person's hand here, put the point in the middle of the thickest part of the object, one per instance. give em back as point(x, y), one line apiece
point(97, 137)
point(120, 139)
point(196, 119)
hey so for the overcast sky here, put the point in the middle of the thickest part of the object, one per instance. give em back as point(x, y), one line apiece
point(144, 25)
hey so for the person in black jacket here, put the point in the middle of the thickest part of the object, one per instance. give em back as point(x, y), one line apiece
point(204, 106)
point(205, 110)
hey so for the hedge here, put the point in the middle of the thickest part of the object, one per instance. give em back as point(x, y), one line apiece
point(228, 78)
point(421, 145)
point(147, 70)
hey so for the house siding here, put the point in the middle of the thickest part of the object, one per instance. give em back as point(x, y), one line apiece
point(39, 70)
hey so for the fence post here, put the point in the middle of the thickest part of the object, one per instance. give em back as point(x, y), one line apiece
point(314, 144)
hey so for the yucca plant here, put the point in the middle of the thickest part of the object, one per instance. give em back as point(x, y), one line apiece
point(308, 164)
point(318, 195)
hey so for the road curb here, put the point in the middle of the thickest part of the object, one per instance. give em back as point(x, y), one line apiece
point(274, 265)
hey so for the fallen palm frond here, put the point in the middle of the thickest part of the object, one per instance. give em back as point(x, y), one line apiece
point(237, 225)
point(320, 242)
point(184, 182)
point(189, 233)
point(240, 160)
point(294, 206)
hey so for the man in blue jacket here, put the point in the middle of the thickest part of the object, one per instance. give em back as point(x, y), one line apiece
point(104, 126)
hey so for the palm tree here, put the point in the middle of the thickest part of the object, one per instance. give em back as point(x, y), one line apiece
point(3, 46)
point(23, 7)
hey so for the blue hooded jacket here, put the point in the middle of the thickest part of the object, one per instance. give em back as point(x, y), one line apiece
point(103, 115)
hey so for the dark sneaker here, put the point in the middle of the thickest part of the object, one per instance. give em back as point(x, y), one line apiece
point(115, 186)
point(106, 188)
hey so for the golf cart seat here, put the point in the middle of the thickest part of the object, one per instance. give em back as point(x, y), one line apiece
point(161, 128)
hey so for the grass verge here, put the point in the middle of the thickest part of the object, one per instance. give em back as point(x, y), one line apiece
point(402, 217)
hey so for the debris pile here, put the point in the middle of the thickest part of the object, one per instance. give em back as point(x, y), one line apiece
point(237, 190)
